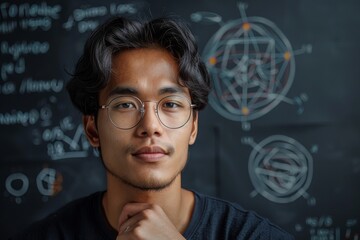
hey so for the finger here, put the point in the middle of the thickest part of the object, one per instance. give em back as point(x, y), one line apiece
point(130, 224)
point(130, 210)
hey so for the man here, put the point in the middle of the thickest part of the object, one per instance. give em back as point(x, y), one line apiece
point(140, 86)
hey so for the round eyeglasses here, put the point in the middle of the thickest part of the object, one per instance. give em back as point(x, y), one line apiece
point(125, 112)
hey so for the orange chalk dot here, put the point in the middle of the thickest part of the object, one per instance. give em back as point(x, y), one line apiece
point(57, 185)
point(246, 26)
point(245, 111)
point(287, 55)
point(212, 60)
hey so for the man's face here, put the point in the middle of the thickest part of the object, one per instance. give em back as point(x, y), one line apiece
point(149, 156)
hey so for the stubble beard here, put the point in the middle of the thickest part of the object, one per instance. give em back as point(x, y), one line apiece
point(146, 185)
point(150, 184)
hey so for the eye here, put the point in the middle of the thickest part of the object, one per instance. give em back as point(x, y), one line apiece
point(170, 104)
point(124, 104)
point(173, 104)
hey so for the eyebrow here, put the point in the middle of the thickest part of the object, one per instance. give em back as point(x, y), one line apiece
point(133, 91)
point(171, 90)
point(123, 91)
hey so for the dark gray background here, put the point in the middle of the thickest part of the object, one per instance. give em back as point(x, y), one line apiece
point(218, 163)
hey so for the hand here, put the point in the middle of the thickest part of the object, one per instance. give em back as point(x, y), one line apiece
point(145, 221)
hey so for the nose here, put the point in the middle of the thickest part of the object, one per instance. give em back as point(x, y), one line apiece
point(149, 124)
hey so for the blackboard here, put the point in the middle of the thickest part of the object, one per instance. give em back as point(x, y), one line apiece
point(281, 135)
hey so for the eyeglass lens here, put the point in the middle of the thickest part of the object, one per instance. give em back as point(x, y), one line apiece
point(125, 112)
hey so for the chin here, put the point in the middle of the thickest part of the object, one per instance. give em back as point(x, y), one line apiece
point(143, 183)
point(150, 184)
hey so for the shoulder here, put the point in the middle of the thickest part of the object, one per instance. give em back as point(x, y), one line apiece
point(66, 221)
point(229, 220)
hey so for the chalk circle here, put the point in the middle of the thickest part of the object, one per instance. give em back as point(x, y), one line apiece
point(280, 169)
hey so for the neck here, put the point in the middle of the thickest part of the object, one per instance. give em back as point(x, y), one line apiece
point(176, 202)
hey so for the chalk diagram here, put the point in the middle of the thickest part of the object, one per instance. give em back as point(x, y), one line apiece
point(280, 169)
point(67, 140)
point(252, 66)
point(48, 182)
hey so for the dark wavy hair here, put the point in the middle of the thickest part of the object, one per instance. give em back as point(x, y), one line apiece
point(93, 69)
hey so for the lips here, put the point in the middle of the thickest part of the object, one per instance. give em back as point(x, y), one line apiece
point(150, 153)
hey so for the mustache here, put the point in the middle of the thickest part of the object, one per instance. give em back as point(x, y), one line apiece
point(167, 147)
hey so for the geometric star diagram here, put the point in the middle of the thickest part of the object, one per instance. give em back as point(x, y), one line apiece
point(252, 66)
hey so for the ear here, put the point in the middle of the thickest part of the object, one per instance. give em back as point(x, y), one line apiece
point(91, 130)
point(194, 127)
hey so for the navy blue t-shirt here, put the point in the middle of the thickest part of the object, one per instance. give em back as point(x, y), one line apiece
point(212, 219)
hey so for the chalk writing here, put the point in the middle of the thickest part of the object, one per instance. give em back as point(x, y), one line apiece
point(9, 68)
point(18, 66)
point(85, 26)
point(37, 86)
point(7, 88)
point(33, 24)
point(86, 19)
point(323, 221)
point(23, 48)
point(8, 27)
point(14, 10)
point(81, 14)
point(325, 228)
point(30, 24)
point(18, 117)
point(29, 17)
point(131, 8)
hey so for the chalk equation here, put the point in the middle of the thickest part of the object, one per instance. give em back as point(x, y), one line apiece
point(35, 116)
point(325, 228)
point(20, 117)
point(15, 52)
point(280, 169)
point(252, 66)
point(63, 141)
point(41, 16)
point(32, 86)
point(48, 183)
point(27, 16)
point(86, 19)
